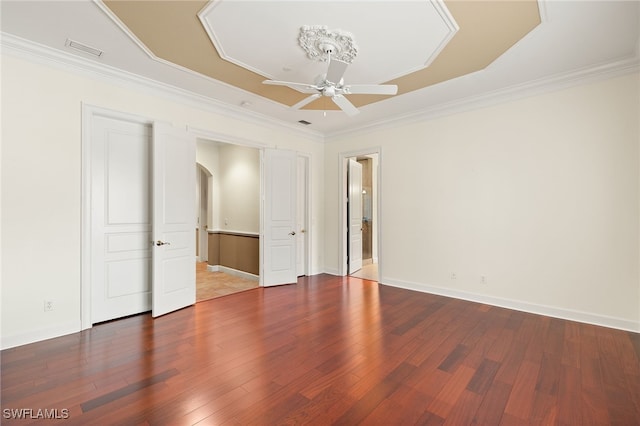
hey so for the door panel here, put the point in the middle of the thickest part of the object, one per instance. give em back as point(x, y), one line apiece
point(279, 246)
point(120, 218)
point(174, 201)
point(355, 216)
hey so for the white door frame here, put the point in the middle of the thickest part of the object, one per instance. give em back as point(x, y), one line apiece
point(354, 215)
point(307, 213)
point(342, 193)
point(204, 176)
point(88, 113)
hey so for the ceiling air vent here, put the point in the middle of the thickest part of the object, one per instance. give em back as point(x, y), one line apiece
point(305, 122)
point(83, 48)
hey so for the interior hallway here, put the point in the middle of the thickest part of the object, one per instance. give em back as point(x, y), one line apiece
point(210, 285)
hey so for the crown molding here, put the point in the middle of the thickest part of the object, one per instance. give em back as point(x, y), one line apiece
point(35, 52)
point(599, 72)
point(38, 53)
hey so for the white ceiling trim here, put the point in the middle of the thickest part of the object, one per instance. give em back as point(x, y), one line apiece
point(438, 9)
point(225, 138)
point(44, 55)
point(203, 16)
point(129, 33)
point(38, 53)
point(578, 77)
point(449, 21)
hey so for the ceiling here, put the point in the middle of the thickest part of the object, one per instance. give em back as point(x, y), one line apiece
point(438, 53)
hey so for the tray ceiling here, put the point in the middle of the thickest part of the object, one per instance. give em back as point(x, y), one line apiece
point(502, 49)
point(413, 44)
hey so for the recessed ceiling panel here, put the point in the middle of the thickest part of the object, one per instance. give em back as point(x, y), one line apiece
point(393, 38)
point(413, 43)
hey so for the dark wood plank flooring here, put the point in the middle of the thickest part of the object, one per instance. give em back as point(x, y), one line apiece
point(331, 350)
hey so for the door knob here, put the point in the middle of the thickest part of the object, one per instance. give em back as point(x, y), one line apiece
point(162, 243)
point(292, 233)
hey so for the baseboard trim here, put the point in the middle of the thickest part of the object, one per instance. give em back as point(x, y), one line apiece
point(550, 311)
point(40, 334)
point(234, 272)
point(331, 271)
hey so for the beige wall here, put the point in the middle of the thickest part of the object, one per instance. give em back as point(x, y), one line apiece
point(207, 155)
point(540, 195)
point(234, 185)
point(239, 189)
point(235, 251)
point(41, 183)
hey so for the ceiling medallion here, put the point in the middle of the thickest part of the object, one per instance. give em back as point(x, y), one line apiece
point(319, 42)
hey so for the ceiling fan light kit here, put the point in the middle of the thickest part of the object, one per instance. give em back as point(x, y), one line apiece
point(338, 49)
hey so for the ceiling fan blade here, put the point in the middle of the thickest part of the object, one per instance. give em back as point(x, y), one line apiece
point(306, 101)
point(345, 105)
point(300, 87)
point(371, 89)
point(336, 70)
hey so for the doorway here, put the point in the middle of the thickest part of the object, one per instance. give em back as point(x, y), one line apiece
point(228, 218)
point(212, 284)
point(172, 177)
point(230, 215)
point(360, 214)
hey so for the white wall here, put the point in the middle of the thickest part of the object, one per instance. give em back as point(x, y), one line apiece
point(41, 183)
point(540, 195)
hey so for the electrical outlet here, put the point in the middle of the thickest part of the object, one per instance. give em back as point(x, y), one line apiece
point(454, 276)
point(48, 305)
point(483, 279)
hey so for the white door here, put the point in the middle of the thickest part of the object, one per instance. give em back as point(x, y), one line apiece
point(279, 235)
point(355, 215)
point(301, 218)
point(120, 218)
point(174, 159)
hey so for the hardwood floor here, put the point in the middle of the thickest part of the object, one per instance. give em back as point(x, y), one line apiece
point(331, 350)
point(217, 284)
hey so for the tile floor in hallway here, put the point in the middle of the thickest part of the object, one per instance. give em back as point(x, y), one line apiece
point(367, 272)
point(210, 285)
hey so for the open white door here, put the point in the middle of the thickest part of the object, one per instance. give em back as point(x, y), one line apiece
point(279, 240)
point(120, 218)
point(174, 159)
point(355, 215)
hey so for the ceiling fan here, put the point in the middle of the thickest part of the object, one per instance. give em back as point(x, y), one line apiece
point(332, 85)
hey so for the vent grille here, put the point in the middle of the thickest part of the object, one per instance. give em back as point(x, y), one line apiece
point(83, 48)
